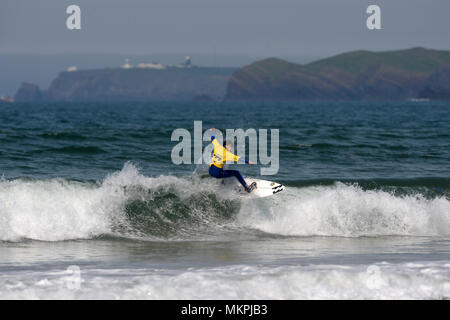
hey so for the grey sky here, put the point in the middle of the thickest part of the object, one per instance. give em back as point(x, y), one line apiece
point(283, 28)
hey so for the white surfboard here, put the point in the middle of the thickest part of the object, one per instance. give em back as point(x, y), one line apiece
point(263, 188)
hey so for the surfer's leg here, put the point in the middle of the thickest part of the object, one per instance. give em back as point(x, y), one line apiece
point(215, 172)
point(220, 173)
point(237, 174)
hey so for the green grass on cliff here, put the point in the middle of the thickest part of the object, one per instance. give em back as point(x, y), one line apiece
point(271, 67)
point(413, 60)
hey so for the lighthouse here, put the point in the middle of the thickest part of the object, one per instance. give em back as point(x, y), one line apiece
point(126, 65)
point(187, 62)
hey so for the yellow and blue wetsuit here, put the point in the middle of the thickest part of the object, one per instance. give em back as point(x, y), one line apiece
point(220, 157)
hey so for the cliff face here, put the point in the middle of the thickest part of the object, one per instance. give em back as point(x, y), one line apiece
point(438, 86)
point(28, 92)
point(137, 84)
point(361, 75)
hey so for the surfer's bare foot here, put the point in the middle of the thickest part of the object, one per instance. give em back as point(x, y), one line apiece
point(251, 187)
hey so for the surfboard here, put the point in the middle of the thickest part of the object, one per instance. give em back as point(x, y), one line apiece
point(264, 188)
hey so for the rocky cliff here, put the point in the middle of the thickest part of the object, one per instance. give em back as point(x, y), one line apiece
point(437, 86)
point(28, 92)
point(133, 85)
point(360, 75)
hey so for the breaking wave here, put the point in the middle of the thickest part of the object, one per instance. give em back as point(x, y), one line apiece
point(129, 204)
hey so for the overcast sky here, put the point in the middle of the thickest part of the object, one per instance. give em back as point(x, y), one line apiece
point(249, 27)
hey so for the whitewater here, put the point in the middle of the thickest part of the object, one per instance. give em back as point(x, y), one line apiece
point(91, 206)
point(129, 204)
point(334, 235)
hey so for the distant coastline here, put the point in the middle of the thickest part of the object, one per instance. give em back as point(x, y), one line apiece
point(415, 74)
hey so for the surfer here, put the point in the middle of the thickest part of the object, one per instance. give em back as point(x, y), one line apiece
point(222, 154)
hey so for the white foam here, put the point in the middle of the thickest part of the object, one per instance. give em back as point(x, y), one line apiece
point(428, 280)
point(51, 210)
point(349, 211)
point(57, 209)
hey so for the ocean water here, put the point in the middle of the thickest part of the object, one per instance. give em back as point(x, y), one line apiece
point(91, 205)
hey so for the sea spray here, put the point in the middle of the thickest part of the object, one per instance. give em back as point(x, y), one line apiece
point(124, 204)
point(348, 211)
point(131, 205)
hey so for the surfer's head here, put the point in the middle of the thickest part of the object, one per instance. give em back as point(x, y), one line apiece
point(228, 144)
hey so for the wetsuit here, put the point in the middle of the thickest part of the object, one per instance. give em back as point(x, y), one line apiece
point(220, 157)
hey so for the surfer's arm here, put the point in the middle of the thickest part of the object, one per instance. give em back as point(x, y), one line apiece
point(235, 157)
point(247, 161)
point(238, 159)
point(212, 134)
point(244, 161)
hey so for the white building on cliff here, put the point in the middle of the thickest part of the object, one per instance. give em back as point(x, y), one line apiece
point(127, 64)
